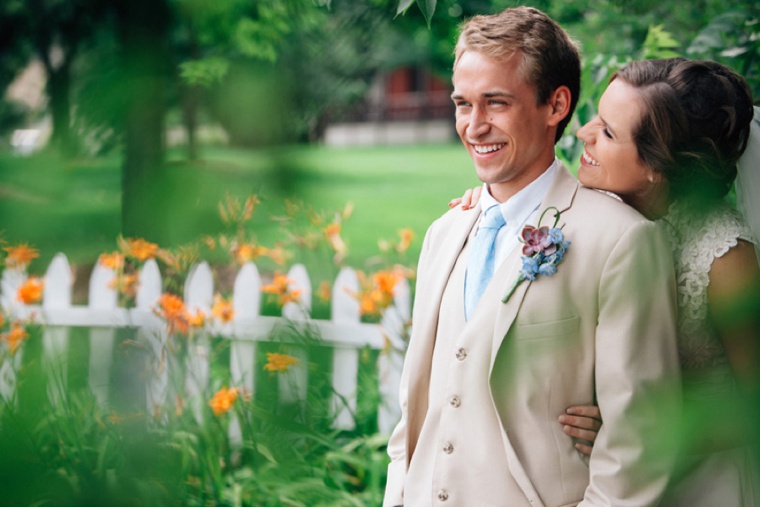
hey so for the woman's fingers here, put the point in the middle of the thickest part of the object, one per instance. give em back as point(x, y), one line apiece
point(468, 200)
point(582, 424)
point(581, 434)
point(583, 448)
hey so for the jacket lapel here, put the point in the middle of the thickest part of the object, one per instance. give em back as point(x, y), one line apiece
point(560, 196)
point(449, 248)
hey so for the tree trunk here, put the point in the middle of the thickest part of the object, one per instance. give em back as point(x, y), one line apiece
point(191, 99)
point(59, 89)
point(143, 33)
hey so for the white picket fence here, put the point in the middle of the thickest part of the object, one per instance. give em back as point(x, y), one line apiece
point(102, 315)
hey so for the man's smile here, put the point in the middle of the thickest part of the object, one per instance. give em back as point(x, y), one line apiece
point(487, 148)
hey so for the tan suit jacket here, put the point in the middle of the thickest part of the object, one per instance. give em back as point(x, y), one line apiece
point(601, 329)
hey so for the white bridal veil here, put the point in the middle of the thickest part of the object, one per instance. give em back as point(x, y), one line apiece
point(748, 181)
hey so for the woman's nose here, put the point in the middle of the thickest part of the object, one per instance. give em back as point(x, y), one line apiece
point(584, 133)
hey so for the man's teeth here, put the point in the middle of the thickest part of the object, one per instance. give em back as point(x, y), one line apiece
point(487, 148)
point(590, 161)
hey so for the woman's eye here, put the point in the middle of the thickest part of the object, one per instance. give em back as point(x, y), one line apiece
point(607, 133)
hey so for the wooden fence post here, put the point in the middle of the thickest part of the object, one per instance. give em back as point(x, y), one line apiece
point(345, 310)
point(102, 297)
point(55, 339)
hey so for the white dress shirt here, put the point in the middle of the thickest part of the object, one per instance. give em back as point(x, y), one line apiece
point(519, 210)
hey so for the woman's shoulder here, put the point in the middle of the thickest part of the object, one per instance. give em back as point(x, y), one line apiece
point(714, 230)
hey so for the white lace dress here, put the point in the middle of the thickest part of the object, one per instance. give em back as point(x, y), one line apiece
point(724, 477)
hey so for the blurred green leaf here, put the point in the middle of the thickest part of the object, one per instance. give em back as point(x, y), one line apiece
point(204, 72)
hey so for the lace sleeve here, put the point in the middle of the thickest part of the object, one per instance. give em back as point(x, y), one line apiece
point(697, 240)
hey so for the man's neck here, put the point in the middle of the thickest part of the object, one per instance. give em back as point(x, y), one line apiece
point(505, 190)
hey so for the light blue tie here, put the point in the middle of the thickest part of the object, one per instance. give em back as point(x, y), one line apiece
point(480, 264)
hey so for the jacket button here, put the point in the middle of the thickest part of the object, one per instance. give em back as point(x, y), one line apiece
point(448, 448)
point(454, 401)
point(443, 495)
point(461, 354)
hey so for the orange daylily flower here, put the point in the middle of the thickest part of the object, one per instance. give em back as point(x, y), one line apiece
point(172, 309)
point(139, 248)
point(377, 292)
point(197, 320)
point(280, 287)
point(245, 252)
point(222, 309)
point(15, 337)
point(30, 291)
point(223, 399)
point(332, 232)
point(124, 284)
point(407, 235)
point(278, 255)
point(386, 281)
point(171, 304)
point(333, 229)
point(279, 362)
point(325, 291)
point(114, 260)
point(20, 256)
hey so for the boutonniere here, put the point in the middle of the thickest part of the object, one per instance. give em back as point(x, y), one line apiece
point(543, 249)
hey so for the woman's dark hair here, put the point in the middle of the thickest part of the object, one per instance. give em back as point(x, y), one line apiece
point(695, 124)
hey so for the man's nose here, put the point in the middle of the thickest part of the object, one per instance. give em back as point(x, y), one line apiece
point(479, 123)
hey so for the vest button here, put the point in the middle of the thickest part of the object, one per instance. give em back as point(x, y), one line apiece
point(461, 354)
point(454, 401)
point(443, 495)
point(448, 448)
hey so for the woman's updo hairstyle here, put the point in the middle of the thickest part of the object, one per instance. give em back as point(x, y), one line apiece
point(695, 123)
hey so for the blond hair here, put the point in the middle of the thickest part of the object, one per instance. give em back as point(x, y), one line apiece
point(549, 57)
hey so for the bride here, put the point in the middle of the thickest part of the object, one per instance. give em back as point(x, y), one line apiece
point(667, 140)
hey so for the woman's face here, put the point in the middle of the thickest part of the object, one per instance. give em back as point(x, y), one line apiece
point(611, 161)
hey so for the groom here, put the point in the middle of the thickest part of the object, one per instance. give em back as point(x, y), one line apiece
point(589, 319)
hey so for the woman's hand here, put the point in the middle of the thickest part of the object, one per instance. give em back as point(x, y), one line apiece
point(582, 423)
point(468, 200)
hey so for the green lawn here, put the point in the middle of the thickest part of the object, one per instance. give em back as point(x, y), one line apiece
point(74, 207)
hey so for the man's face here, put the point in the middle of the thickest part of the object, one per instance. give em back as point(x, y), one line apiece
point(509, 137)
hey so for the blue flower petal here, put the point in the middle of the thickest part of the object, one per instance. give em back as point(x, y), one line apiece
point(555, 235)
point(547, 269)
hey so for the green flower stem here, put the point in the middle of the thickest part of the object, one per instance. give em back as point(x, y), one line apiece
point(519, 280)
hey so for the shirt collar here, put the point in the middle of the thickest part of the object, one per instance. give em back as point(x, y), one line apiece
point(518, 208)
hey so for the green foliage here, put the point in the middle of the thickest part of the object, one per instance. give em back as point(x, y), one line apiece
point(732, 38)
point(204, 72)
point(659, 44)
point(60, 447)
point(427, 7)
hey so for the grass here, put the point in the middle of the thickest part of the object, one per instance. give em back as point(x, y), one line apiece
point(74, 207)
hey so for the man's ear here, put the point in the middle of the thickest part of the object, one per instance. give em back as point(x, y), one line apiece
point(559, 102)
